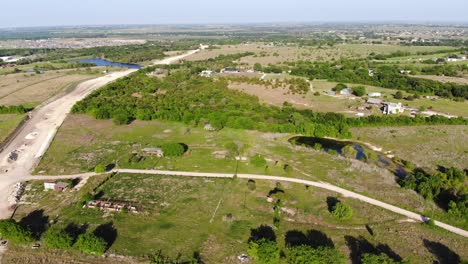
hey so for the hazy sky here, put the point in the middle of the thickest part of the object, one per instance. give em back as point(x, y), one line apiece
point(20, 13)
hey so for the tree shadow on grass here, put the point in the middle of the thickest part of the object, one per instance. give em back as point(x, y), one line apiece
point(443, 254)
point(313, 238)
point(331, 202)
point(36, 222)
point(75, 230)
point(262, 231)
point(107, 232)
point(359, 246)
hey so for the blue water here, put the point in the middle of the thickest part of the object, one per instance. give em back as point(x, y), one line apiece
point(102, 62)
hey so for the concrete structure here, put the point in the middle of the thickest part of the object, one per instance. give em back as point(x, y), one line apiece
point(206, 73)
point(49, 185)
point(374, 101)
point(230, 70)
point(158, 152)
point(61, 186)
point(374, 94)
point(346, 91)
point(392, 108)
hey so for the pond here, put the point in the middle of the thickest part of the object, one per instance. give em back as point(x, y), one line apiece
point(103, 62)
point(350, 149)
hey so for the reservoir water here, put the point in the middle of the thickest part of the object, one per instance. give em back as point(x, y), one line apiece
point(103, 62)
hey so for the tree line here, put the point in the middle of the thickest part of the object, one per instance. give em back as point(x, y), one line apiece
point(188, 98)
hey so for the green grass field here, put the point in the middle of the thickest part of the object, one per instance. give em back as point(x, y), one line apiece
point(8, 123)
point(181, 216)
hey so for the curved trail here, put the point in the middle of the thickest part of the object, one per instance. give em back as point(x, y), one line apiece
point(47, 119)
point(322, 185)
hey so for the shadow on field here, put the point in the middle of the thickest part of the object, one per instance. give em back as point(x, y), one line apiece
point(107, 232)
point(313, 238)
point(262, 231)
point(443, 254)
point(359, 246)
point(36, 222)
point(331, 202)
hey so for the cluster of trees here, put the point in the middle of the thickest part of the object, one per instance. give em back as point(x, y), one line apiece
point(446, 186)
point(387, 76)
point(194, 100)
point(13, 109)
point(216, 64)
point(71, 237)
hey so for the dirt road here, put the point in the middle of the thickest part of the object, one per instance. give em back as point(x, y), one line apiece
point(21, 155)
point(322, 185)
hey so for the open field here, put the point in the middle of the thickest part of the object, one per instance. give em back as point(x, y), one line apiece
point(83, 142)
point(270, 54)
point(445, 79)
point(426, 146)
point(32, 89)
point(8, 123)
point(214, 218)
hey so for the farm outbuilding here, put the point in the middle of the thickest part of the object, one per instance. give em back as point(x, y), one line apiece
point(153, 151)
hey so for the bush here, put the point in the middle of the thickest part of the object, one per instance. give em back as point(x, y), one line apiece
point(90, 244)
point(121, 118)
point(342, 211)
point(307, 254)
point(12, 231)
point(251, 185)
point(258, 161)
point(349, 151)
point(173, 149)
point(264, 251)
point(359, 90)
point(100, 168)
point(57, 238)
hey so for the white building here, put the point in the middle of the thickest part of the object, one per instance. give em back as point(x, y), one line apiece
point(346, 91)
point(206, 73)
point(375, 94)
point(49, 185)
point(392, 108)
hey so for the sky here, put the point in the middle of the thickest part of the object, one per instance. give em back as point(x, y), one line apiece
point(26, 13)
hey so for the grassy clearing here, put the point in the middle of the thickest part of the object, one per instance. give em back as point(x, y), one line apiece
point(180, 217)
point(267, 54)
point(83, 142)
point(426, 146)
point(8, 123)
point(34, 88)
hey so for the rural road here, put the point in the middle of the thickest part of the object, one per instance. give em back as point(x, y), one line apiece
point(322, 185)
point(35, 137)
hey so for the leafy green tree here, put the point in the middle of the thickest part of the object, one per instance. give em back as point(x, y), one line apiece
point(359, 90)
point(264, 251)
point(258, 67)
point(308, 255)
point(11, 230)
point(91, 244)
point(339, 87)
point(398, 95)
point(349, 151)
point(121, 118)
point(100, 168)
point(57, 238)
point(342, 211)
point(172, 149)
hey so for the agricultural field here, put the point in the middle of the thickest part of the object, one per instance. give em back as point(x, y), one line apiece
point(83, 143)
point(32, 89)
point(213, 219)
point(266, 53)
point(426, 146)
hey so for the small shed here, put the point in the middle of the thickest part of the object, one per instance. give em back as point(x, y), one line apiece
point(374, 94)
point(209, 127)
point(374, 101)
point(61, 186)
point(158, 152)
point(346, 91)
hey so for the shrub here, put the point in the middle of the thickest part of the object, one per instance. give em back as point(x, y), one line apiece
point(57, 238)
point(342, 211)
point(264, 251)
point(359, 90)
point(12, 231)
point(90, 244)
point(173, 149)
point(100, 168)
point(321, 255)
point(258, 161)
point(251, 185)
point(349, 151)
